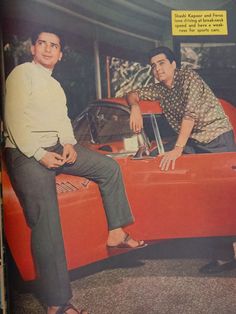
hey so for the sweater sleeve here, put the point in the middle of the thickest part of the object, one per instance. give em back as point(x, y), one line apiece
point(66, 135)
point(18, 91)
point(65, 131)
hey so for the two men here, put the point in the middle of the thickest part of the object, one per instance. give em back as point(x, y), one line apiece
point(40, 144)
point(193, 112)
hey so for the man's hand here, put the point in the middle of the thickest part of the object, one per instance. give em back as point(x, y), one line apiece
point(52, 160)
point(69, 154)
point(169, 158)
point(136, 119)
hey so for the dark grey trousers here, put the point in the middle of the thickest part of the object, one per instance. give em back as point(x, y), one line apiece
point(223, 143)
point(36, 189)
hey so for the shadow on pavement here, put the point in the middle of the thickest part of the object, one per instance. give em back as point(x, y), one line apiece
point(197, 248)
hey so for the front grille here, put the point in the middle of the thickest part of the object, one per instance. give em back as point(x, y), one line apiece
point(64, 187)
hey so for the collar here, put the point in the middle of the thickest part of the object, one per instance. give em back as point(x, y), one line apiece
point(175, 80)
point(174, 83)
point(42, 68)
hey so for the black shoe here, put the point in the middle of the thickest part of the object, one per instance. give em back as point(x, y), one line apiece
point(217, 267)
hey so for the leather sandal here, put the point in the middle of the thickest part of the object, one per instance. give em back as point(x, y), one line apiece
point(64, 308)
point(215, 267)
point(125, 245)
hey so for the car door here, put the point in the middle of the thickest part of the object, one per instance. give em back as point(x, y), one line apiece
point(195, 199)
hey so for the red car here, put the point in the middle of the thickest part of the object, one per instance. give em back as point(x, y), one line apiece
point(197, 199)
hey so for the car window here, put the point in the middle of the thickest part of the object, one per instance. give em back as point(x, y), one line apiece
point(109, 124)
point(102, 125)
point(105, 125)
point(82, 129)
point(167, 134)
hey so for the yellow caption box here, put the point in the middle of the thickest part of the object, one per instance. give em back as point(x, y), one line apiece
point(202, 22)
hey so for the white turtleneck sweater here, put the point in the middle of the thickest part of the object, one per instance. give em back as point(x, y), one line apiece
point(35, 111)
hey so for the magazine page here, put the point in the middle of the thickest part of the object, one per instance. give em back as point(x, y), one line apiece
point(119, 156)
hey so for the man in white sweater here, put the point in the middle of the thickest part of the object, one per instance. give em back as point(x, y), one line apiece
point(40, 144)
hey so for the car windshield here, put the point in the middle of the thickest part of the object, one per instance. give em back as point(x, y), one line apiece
point(106, 127)
point(102, 124)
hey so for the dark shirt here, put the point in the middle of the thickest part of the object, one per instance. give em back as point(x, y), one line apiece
point(189, 97)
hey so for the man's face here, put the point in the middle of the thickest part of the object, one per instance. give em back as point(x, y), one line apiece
point(162, 69)
point(47, 50)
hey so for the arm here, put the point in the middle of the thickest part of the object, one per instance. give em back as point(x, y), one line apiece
point(193, 88)
point(69, 154)
point(170, 157)
point(18, 87)
point(66, 133)
point(149, 92)
point(65, 130)
point(52, 160)
point(136, 119)
point(17, 102)
point(67, 138)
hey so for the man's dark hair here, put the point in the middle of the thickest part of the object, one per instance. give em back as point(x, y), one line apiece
point(165, 50)
point(47, 29)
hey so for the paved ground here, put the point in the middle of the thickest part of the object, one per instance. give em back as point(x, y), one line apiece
point(159, 279)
